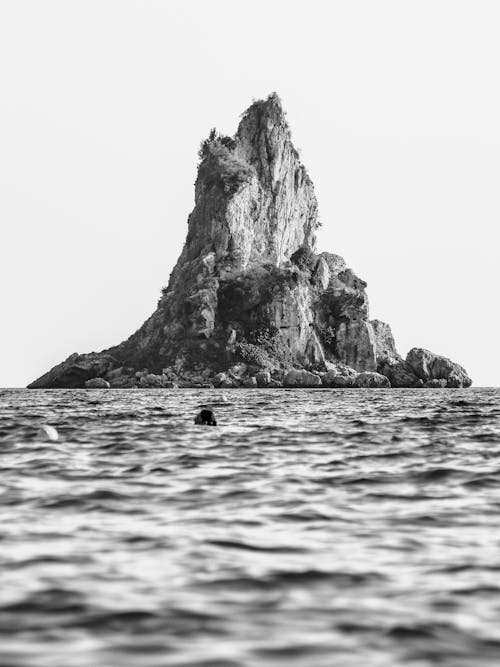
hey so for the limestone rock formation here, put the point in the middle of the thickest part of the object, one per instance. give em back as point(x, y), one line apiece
point(250, 299)
point(369, 379)
point(429, 367)
point(97, 383)
point(339, 376)
point(301, 378)
point(76, 370)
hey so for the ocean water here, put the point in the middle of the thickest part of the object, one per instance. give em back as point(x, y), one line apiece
point(309, 528)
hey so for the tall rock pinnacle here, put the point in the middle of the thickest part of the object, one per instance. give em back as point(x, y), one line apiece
point(248, 289)
point(253, 197)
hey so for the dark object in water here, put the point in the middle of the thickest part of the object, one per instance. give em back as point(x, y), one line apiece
point(205, 417)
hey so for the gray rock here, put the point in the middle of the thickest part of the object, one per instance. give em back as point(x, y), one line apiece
point(399, 373)
point(339, 377)
point(197, 379)
point(356, 344)
point(322, 273)
point(237, 371)
point(117, 378)
point(228, 384)
point(341, 381)
point(151, 381)
point(114, 374)
point(429, 366)
point(371, 380)
point(75, 371)
point(278, 375)
point(97, 383)
point(169, 375)
point(123, 382)
point(263, 378)
point(301, 378)
point(250, 382)
point(335, 263)
point(219, 379)
point(435, 384)
point(385, 346)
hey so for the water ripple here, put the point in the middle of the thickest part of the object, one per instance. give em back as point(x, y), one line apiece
point(310, 528)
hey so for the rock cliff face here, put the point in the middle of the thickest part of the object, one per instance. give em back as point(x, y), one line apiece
point(250, 292)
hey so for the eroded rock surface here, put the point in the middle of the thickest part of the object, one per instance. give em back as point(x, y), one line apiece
point(75, 371)
point(369, 379)
point(301, 378)
point(429, 366)
point(97, 383)
point(250, 301)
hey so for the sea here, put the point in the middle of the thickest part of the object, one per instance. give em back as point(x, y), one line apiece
point(309, 528)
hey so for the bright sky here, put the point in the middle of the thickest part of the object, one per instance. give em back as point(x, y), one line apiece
point(394, 104)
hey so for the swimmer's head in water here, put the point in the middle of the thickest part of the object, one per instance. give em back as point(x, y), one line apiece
point(205, 417)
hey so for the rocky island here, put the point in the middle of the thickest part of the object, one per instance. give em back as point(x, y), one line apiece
point(250, 302)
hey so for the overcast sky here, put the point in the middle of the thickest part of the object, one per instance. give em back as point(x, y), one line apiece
point(394, 105)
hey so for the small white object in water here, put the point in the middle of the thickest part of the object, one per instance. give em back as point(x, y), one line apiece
point(48, 432)
point(224, 398)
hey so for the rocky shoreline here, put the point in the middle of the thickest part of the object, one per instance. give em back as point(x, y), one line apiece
point(421, 369)
point(250, 301)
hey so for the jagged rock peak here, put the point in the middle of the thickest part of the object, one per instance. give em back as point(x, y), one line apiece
point(250, 302)
point(263, 135)
point(254, 201)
